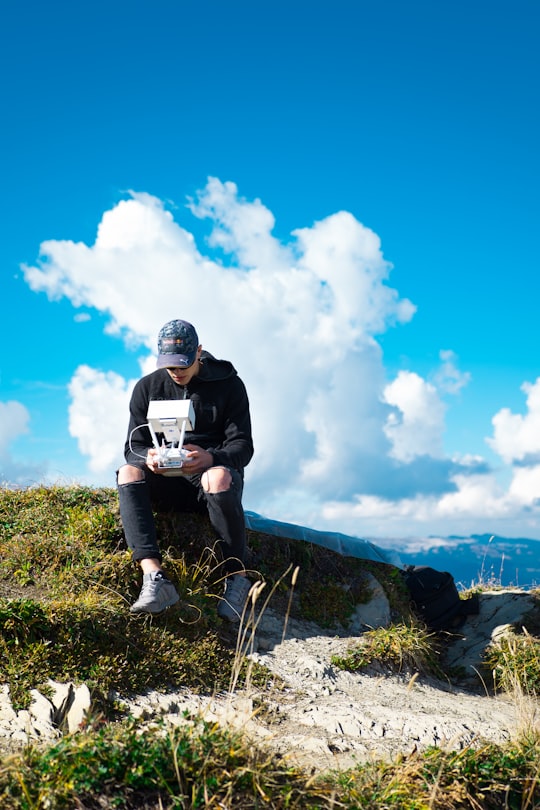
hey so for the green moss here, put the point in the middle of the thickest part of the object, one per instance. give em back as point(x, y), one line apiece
point(328, 603)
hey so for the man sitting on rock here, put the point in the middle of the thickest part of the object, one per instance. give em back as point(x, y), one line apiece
point(212, 474)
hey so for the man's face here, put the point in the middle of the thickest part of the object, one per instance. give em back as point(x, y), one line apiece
point(182, 375)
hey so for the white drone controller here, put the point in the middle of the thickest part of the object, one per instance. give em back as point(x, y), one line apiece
point(171, 417)
point(171, 457)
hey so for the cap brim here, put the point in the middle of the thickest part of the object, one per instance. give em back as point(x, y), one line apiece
point(175, 360)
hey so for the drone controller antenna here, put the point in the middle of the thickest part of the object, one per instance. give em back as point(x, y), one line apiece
point(182, 433)
point(154, 437)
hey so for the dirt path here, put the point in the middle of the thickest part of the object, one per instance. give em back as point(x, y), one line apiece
point(325, 718)
point(317, 715)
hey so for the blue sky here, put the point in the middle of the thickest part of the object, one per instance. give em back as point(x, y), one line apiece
point(343, 196)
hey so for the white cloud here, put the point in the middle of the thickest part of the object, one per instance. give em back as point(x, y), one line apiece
point(517, 436)
point(240, 227)
point(132, 272)
point(478, 505)
point(14, 419)
point(297, 320)
point(448, 378)
point(415, 426)
point(525, 485)
point(334, 439)
point(14, 422)
point(98, 416)
point(345, 257)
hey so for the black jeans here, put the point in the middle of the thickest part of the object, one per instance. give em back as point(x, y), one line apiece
point(138, 499)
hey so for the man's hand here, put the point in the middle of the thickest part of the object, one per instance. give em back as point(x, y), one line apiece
point(198, 460)
point(152, 461)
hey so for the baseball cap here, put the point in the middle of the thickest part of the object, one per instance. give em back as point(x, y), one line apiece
point(177, 344)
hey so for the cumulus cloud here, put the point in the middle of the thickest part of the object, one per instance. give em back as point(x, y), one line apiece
point(416, 424)
point(477, 504)
point(475, 501)
point(14, 422)
point(517, 436)
point(98, 415)
point(334, 438)
point(298, 321)
point(525, 485)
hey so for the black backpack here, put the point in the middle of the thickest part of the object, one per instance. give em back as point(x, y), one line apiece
point(435, 598)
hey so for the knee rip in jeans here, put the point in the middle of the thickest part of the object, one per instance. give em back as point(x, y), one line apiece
point(221, 481)
point(130, 480)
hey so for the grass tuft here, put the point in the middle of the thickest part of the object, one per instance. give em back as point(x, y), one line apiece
point(488, 777)
point(124, 766)
point(403, 647)
point(514, 660)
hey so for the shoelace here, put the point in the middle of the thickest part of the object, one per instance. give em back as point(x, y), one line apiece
point(150, 587)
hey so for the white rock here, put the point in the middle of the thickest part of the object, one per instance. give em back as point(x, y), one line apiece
point(41, 708)
point(61, 699)
point(7, 713)
point(79, 707)
point(375, 613)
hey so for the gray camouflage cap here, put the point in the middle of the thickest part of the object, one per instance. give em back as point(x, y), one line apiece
point(177, 345)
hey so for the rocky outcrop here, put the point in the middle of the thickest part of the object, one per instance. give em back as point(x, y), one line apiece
point(321, 717)
point(47, 717)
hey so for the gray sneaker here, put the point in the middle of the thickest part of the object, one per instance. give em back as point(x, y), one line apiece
point(157, 593)
point(231, 605)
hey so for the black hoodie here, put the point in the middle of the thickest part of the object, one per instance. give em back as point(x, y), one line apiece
point(220, 401)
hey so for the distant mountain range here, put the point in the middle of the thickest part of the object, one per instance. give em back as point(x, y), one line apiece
point(479, 559)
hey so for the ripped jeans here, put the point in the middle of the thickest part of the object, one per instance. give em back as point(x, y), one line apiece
point(138, 499)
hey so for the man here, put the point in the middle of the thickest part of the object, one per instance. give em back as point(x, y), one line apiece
point(218, 448)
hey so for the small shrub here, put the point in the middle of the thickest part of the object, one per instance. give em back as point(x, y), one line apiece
point(398, 647)
point(22, 620)
point(95, 528)
point(515, 663)
point(197, 764)
point(487, 777)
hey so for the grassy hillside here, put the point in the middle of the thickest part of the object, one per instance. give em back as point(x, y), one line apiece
point(66, 583)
